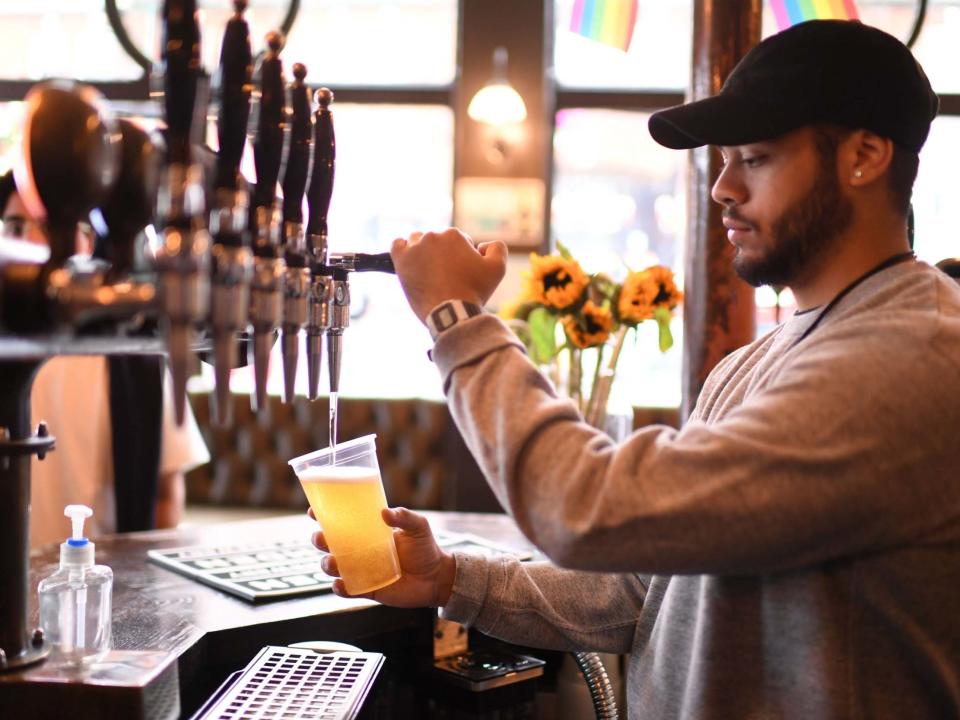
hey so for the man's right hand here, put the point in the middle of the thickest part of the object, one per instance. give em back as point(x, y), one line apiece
point(436, 267)
point(427, 572)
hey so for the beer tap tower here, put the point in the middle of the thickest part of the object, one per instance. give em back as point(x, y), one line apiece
point(72, 161)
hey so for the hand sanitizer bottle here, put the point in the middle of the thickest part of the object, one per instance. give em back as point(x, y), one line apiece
point(75, 601)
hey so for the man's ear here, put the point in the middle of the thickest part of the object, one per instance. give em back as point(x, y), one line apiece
point(864, 156)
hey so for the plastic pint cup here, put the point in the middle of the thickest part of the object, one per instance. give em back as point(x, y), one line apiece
point(346, 493)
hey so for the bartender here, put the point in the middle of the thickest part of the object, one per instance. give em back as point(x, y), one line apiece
point(793, 551)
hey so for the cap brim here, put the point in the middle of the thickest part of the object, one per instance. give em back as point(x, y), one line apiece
point(721, 120)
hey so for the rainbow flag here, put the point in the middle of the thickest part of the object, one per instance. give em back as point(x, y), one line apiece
point(610, 22)
point(791, 12)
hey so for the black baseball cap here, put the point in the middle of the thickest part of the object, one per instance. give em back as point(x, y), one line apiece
point(838, 72)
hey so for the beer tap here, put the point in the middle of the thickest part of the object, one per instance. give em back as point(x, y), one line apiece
point(268, 271)
point(107, 289)
point(231, 266)
point(131, 204)
point(321, 275)
point(69, 164)
point(340, 265)
point(184, 256)
point(296, 283)
point(330, 286)
point(339, 320)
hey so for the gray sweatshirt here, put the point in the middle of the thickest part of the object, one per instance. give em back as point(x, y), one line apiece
point(792, 552)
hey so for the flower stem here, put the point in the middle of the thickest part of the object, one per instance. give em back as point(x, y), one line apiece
point(597, 413)
point(617, 347)
point(574, 378)
point(597, 371)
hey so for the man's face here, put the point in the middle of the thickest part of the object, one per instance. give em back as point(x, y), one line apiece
point(784, 208)
point(18, 224)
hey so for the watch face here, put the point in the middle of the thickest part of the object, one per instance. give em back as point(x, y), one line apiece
point(444, 316)
point(448, 314)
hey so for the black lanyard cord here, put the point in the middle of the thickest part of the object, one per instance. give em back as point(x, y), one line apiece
point(889, 262)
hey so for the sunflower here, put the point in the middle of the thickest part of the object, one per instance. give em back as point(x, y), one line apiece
point(556, 282)
point(590, 327)
point(645, 291)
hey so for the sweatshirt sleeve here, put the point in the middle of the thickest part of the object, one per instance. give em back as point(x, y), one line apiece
point(818, 465)
point(545, 606)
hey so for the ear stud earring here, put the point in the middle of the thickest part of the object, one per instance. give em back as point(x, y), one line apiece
point(858, 173)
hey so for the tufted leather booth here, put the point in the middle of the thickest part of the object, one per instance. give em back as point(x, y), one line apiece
point(249, 465)
point(424, 461)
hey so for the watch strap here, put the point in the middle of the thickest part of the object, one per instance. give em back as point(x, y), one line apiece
point(447, 314)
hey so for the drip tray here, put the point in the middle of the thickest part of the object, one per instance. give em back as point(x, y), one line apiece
point(283, 683)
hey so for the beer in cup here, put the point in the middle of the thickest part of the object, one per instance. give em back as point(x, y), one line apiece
point(345, 491)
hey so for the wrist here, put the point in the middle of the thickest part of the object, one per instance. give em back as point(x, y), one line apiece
point(446, 574)
point(446, 314)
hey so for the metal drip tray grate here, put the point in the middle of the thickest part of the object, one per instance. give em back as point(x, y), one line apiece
point(284, 683)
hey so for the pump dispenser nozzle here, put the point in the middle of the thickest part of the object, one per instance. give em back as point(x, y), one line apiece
point(77, 514)
point(77, 550)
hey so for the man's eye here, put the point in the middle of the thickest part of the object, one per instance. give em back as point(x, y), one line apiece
point(754, 160)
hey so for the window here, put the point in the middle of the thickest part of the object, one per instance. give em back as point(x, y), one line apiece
point(935, 207)
point(619, 202)
point(384, 189)
point(10, 135)
point(61, 38)
point(659, 56)
point(619, 198)
point(361, 42)
point(378, 42)
point(935, 47)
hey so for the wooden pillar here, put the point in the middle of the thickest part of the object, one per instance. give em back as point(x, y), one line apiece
point(718, 305)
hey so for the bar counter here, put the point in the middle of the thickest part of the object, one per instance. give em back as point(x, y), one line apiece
point(176, 640)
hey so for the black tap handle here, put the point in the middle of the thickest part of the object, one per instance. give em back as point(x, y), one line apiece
point(130, 206)
point(180, 55)
point(236, 72)
point(324, 161)
point(72, 154)
point(380, 262)
point(298, 156)
point(271, 119)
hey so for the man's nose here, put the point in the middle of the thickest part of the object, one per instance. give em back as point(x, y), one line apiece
point(727, 190)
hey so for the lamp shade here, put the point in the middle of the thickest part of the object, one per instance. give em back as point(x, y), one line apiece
point(497, 103)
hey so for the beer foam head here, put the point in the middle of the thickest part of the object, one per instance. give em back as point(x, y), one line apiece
point(338, 473)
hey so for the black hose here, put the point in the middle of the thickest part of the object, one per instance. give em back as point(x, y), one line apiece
point(120, 32)
point(918, 20)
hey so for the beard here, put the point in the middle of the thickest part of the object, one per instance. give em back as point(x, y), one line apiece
point(802, 235)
